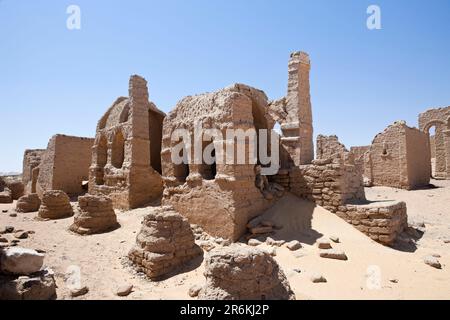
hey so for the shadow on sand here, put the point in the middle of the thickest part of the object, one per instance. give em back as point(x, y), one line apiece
point(295, 216)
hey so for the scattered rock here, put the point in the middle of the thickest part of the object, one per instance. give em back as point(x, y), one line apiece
point(297, 270)
point(243, 273)
point(272, 251)
point(13, 215)
point(7, 229)
point(324, 244)
point(393, 280)
point(335, 239)
point(254, 242)
point(432, 261)
point(206, 245)
point(21, 235)
point(39, 286)
point(21, 261)
point(318, 278)
point(333, 254)
point(78, 292)
point(194, 290)
point(299, 254)
point(277, 243)
point(3, 240)
point(5, 211)
point(436, 255)
point(124, 290)
point(294, 245)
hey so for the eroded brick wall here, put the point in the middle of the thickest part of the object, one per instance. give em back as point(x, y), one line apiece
point(65, 164)
point(338, 187)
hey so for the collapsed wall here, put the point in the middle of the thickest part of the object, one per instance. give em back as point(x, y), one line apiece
point(64, 165)
point(31, 160)
point(329, 147)
point(126, 162)
point(338, 187)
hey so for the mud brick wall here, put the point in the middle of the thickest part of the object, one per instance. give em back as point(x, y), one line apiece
point(328, 184)
point(338, 187)
point(380, 221)
point(65, 164)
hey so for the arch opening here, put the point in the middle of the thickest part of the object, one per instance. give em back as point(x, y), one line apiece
point(102, 159)
point(208, 169)
point(118, 150)
point(181, 170)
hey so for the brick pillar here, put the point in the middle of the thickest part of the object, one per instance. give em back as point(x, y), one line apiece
point(298, 128)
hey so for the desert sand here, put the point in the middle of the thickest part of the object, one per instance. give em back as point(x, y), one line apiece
point(372, 271)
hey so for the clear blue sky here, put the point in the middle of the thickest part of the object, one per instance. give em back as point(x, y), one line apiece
point(53, 80)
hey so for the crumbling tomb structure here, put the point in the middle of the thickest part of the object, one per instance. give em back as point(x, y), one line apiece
point(221, 197)
point(399, 157)
point(131, 159)
point(439, 119)
point(64, 165)
point(126, 162)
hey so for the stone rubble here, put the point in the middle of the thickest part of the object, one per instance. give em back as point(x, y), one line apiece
point(243, 273)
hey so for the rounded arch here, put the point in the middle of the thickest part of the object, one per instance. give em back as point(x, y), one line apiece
point(433, 123)
point(118, 150)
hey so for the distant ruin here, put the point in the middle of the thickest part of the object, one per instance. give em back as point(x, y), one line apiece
point(439, 119)
point(399, 157)
point(31, 161)
point(126, 161)
point(64, 165)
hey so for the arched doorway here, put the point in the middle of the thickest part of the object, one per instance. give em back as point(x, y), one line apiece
point(435, 130)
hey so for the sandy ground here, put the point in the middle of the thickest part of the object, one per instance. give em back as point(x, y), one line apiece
point(367, 274)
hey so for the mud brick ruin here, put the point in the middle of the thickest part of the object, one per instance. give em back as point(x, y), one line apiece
point(219, 197)
point(440, 144)
point(95, 214)
point(126, 162)
point(131, 161)
point(65, 165)
point(31, 161)
point(164, 243)
point(399, 157)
